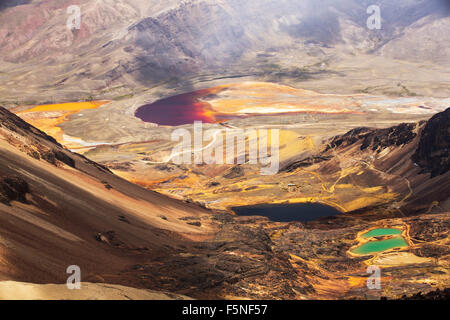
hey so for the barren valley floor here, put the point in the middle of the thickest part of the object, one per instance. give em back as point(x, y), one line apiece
point(363, 159)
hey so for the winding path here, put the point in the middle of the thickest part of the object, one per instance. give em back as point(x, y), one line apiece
point(173, 155)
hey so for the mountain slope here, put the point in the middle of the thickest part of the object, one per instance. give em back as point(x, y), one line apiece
point(59, 209)
point(411, 159)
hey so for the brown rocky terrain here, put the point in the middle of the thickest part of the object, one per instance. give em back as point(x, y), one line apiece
point(59, 209)
point(63, 212)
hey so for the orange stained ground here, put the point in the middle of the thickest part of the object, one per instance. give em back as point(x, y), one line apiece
point(48, 117)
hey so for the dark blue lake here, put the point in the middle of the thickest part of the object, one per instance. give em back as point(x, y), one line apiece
point(288, 212)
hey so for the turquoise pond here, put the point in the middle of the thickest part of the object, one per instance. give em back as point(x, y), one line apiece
point(382, 232)
point(380, 246)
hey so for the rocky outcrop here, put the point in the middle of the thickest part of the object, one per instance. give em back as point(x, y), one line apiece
point(349, 138)
point(394, 136)
point(433, 153)
point(15, 124)
point(38, 144)
point(376, 139)
point(53, 155)
point(13, 189)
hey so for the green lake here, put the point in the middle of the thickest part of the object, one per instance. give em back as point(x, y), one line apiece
point(379, 246)
point(382, 232)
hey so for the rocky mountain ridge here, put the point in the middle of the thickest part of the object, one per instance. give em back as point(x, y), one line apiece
point(136, 44)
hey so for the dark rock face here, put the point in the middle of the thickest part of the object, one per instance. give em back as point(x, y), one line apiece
point(13, 189)
point(53, 155)
point(14, 124)
point(376, 139)
point(433, 152)
point(349, 138)
point(394, 136)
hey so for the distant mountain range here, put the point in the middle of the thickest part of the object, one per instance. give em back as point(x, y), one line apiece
point(144, 43)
